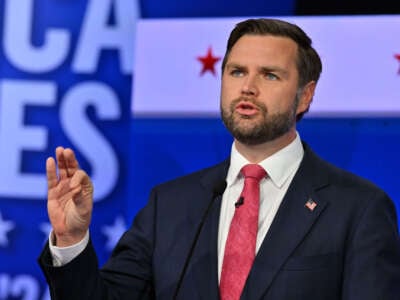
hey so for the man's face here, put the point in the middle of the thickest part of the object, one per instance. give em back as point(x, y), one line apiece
point(259, 88)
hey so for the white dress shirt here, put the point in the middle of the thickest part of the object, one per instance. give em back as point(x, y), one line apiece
point(63, 255)
point(281, 168)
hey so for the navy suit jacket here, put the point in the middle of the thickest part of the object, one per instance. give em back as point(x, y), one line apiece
point(346, 248)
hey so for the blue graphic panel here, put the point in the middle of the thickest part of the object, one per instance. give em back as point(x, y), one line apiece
point(65, 79)
point(211, 8)
point(167, 148)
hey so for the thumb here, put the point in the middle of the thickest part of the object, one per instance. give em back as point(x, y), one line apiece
point(80, 178)
point(80, 182)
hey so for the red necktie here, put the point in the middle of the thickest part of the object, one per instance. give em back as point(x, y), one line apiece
point(240, 247)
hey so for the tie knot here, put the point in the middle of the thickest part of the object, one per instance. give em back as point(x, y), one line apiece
point(253, 171)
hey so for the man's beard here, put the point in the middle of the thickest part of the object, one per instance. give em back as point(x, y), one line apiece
point(267, 129)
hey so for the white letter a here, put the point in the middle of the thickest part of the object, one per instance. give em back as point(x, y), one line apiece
point(97, 35)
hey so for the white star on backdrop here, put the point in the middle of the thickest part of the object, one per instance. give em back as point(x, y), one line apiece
point(114, 232)
point(5, 227)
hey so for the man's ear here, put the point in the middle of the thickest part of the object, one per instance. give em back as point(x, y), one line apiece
point(306, 97)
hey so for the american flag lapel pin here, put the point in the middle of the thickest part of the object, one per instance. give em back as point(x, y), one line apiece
point(310, 204)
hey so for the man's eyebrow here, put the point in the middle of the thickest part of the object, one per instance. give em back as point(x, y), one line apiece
point(276, 69)
point(235, 66)
point(265, 69)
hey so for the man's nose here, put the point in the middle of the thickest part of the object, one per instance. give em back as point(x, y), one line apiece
point(250, 86)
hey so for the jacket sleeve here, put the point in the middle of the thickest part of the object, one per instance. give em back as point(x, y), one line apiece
point(372, 262)
point(126, 275)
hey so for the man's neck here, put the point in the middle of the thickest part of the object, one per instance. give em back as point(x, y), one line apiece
point(257, 153)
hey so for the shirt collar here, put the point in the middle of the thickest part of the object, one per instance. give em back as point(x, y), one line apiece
point(279, 166)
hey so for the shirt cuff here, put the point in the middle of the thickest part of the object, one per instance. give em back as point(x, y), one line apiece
point(63, 255)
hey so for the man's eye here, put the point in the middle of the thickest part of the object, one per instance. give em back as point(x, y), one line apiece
point(271, 76)
point(237, 73)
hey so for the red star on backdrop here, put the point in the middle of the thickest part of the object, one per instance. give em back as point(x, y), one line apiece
point(397, 56)
point(208, 62)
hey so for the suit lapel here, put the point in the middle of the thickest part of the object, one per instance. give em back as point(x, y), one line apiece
point(290, 225)
point(204, 265)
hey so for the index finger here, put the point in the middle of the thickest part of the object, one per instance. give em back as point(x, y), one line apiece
point(66, 162)
point(71, 163)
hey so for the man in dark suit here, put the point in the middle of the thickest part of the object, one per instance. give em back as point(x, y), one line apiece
point(322, 233)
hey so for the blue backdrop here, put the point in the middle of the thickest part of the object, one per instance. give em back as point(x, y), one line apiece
point(365, 146)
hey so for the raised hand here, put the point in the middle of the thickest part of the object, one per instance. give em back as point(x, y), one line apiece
point(69, 198)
